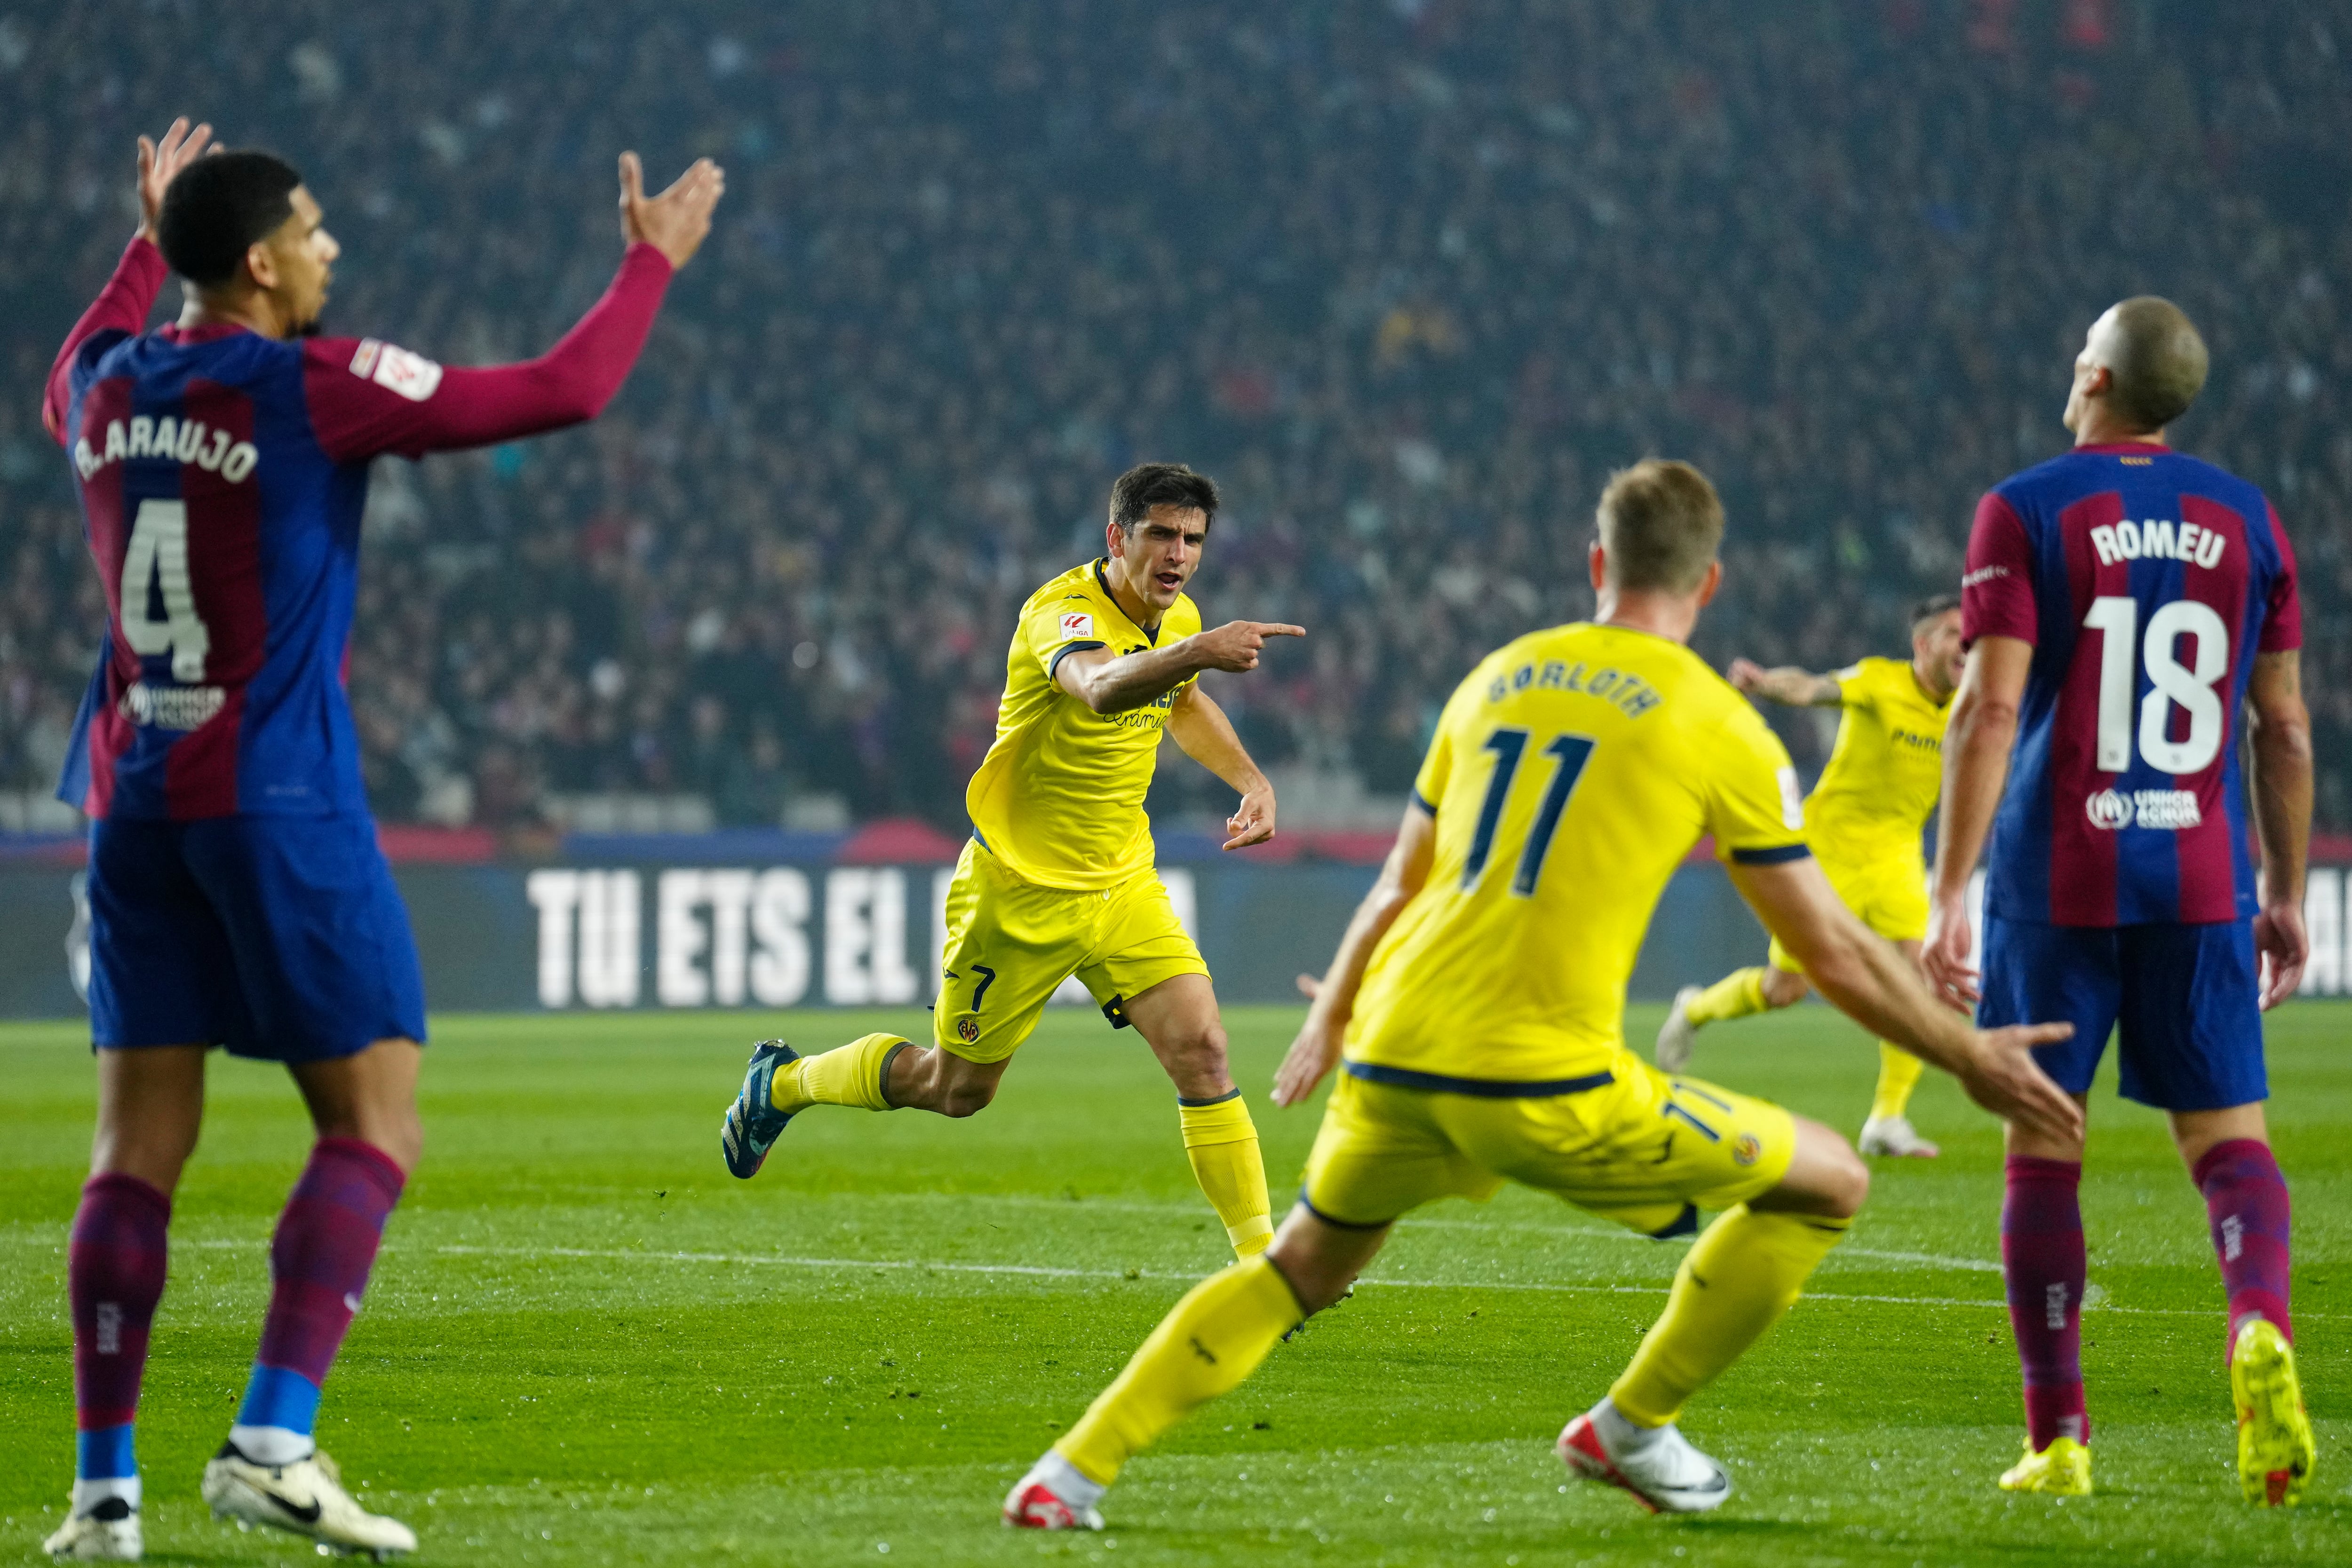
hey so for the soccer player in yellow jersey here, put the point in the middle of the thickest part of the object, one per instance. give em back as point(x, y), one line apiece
point(1864, 820)
point(1477, 1002)
point(1058, 878)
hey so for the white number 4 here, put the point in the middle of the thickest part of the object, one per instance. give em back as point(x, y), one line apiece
point(157, 557)
point(2116, 617)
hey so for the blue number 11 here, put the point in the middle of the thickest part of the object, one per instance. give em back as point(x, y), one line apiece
point(1570, 753)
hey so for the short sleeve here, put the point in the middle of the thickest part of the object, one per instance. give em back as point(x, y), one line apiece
point(1853, 686)
point(1754, 808)
point(367, 397)
point(2283, 614)
point(1053, 629)
point(1996, 588)
point(1437, 764)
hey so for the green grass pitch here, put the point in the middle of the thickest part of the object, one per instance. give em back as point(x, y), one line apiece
point(585, 1344)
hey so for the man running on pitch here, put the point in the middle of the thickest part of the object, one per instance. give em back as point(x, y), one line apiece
point(236, 894)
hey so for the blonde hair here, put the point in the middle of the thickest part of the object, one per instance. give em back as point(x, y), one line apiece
point(1661, 523)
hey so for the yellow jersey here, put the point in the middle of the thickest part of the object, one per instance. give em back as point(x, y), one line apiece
point(1569, 775)
point(1059, 799)
point(1885, 773)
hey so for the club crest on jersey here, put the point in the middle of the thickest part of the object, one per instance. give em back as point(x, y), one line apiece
point(1746, 1150)
point(394, 369)
point(1077, 624)
point(2163, 811)
point(968, 1030)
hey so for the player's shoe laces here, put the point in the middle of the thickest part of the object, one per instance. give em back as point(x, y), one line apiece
point(107, 1533)
point(1677, 1033)
point(1667, 1476)
point(1052, 1496)
point(305, 1498)
point(753, 1123)
point(2061, 1470)
point(2275, 1451)
point(1893, 1137)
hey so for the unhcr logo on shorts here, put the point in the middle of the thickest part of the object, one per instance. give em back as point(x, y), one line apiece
point(2163, 811)
point(171, 707)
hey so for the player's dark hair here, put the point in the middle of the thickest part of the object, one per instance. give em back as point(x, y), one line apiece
point(2157, 360)
point(217, 207)
point(1149, 485)
point(1934, 604)
point(1661, 523)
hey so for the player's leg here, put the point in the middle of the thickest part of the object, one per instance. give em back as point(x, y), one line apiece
point(1377, 1157)
point(157, 956)
point(2191, 1045)
point(1778, 982)
point(2036, 972)
point(1888, 1129)
point(327, 966)
point(1178, 1018)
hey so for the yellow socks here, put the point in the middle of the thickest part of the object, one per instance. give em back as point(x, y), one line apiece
point(1898, 1074)
point(1735, 996)
point(1735, 1284)
point(1215, 1338)
point(846, 1075)
point(1222, 1143)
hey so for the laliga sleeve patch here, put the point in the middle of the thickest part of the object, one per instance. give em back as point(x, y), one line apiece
point(1792, 802)
point(395, 369)
point(1074, 623)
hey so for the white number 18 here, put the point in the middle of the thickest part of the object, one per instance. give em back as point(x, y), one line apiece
point(2117, 617)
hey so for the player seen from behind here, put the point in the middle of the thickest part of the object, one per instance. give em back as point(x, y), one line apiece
point(1864, 820)
point(236, 894)
point(1058, 876)
point(1475, 1010)
point(2123, 604)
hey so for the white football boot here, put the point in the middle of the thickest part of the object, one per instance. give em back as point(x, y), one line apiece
point(1665, 1474)
point(108, 1533)
point(1893, 1136)
point(1677, 1034)
point(1053, 1496)
point(305, 1498)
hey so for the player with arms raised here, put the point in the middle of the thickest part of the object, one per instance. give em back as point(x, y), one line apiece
point(2123, 603)
point(1478, 1000)
point(1057, 878)
point(1864, 819)
point(236, 894)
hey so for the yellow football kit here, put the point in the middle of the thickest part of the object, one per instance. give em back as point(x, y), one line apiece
point(1569, 775)
point(1864, 816)
point(1058, 879)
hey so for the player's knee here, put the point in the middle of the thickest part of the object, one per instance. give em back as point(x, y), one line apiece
point(1845, 1183)
point(1783, 989)
point(966, 1098)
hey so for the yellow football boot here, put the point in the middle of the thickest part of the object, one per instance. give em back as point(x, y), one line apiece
point(2061, 1470)
point(2275, 1450)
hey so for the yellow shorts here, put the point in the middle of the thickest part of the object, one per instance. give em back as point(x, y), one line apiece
point(1011, 943)
point(1644, 1149)
point(1890, 896)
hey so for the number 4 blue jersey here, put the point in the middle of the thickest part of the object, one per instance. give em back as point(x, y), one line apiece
point(2148, 581)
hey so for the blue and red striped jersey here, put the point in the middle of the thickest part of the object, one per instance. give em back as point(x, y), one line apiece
point(2146, 581)
point(222, 477)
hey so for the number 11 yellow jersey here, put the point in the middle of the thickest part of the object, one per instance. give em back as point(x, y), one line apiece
point(1570, 774)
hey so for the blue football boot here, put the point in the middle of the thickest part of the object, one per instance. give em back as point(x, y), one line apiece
point(753, 1123)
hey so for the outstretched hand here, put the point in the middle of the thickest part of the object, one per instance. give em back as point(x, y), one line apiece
point(675, 221)
point(2005, 1079)
point(1233, 647)
point(1745, 675)
point(159, 161)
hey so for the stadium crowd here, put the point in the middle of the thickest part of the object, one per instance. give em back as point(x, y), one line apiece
point(1410, 278)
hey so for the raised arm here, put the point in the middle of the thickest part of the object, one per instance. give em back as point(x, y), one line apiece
point(1866, 977)
point(1115, 683)
point(368, 397)
point(1976, 745)
point(1316, 1050)
point(123, 304)
point(1207, 736)
point(2278, 781)
point(1787, 684)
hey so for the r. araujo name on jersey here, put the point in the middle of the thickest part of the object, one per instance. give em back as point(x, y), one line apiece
point(2146, 581)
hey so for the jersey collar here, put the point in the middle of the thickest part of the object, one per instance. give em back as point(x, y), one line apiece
point(211, 331)
point(2113, 446)
point(1150, 632)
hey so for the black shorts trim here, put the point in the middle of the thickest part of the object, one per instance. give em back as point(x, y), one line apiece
point(1481, 1087)
point(1424, 804)
point(1233, 1094)
point(1680, 1225)
point(1306, 1204)
point(1779, 854)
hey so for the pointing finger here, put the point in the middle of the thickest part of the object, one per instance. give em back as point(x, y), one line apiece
point(633, 179)
point(1266, 629)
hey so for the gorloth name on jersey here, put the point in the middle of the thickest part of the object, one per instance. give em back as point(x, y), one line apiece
point(170, 440)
